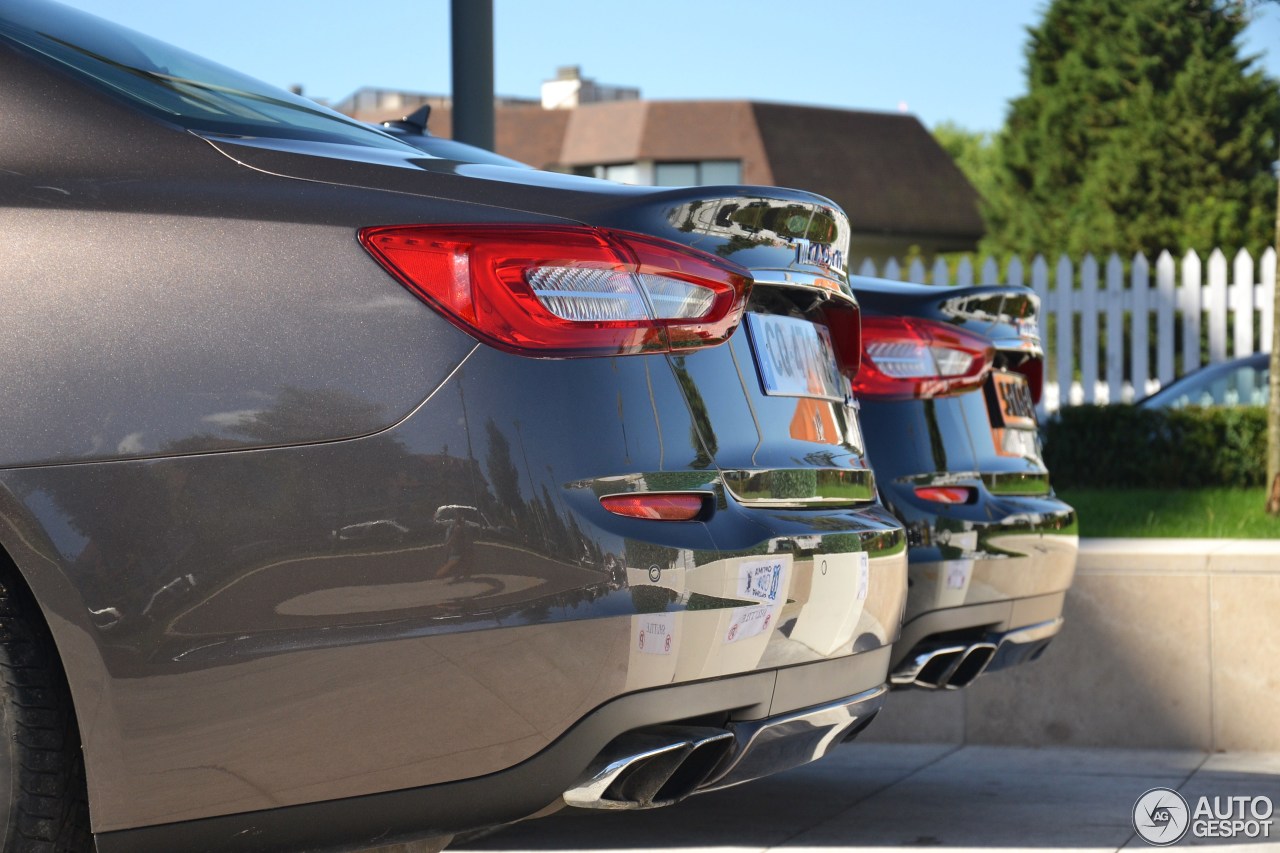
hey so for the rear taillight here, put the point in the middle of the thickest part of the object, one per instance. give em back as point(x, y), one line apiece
point(565, 291)
point(1033, 370)
point(947, 494)
point(907, 357)
point(845, 324)
point(681, 506)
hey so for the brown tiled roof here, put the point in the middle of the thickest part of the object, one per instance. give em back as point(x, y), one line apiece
point(529, 134)
point(624, 131)
point(611, 130)
point(885, 169)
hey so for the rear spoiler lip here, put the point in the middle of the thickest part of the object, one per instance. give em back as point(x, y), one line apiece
point(940, 297)
point(1008, 332)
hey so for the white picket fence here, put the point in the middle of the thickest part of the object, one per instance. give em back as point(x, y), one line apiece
point(1229, 308)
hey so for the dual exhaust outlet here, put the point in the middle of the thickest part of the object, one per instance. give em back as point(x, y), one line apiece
point(652, 767)
point(950, 666)
point(946, 667)
point(660, 765)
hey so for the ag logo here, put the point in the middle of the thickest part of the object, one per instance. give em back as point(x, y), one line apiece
point(1161, 817)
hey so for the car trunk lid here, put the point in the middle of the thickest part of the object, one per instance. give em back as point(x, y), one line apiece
point(771, 405)
point(1000, 418)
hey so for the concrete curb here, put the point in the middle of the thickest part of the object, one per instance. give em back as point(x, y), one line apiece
point(1168, 643)
point(1179, 555)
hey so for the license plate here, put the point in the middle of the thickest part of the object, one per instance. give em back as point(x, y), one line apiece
point(1011, 403)
point(795, 358)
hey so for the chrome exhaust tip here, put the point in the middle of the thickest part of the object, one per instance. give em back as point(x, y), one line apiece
point(954, 665)
point(929, 668)
point(651, 768)
point(970, 665)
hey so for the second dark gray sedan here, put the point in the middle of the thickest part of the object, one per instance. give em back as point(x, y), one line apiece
point(949, 384)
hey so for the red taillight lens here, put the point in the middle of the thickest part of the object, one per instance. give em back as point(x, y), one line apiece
point(946, 494)
point(663, 507)
point(907, 357)
point(565, 291)
point(845, 324)
point(1033, 370)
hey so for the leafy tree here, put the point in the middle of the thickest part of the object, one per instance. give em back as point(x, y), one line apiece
point(1143, 128)
point(976, 153)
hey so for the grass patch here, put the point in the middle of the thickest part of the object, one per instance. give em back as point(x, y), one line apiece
point(1218, 513)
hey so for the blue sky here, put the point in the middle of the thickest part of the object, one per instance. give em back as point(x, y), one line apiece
point(941, 59)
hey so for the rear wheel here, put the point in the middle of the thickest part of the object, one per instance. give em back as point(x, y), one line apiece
point(43, 802)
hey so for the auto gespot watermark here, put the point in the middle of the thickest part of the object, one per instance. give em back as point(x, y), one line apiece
point(1162, 817)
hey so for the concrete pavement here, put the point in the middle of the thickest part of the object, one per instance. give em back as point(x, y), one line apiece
point(870, 795)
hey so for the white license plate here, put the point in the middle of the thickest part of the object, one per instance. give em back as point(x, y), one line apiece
point(795, 358)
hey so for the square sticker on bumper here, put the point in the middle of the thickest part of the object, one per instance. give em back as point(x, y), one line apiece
point(749, 622)
point(760, 580)
point(657, 631)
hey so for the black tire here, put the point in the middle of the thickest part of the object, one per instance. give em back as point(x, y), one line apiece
point(43, 801)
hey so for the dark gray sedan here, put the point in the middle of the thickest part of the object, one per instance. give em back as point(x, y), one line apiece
point(350, 495)
point(950, 380)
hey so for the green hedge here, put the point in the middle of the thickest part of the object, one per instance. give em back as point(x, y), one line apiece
point(1128, 447)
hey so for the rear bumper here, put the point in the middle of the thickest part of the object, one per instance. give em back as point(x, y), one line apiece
point(1000, 549)
point(985, 593)
point(949, 648)
point(775, 717)
point(436, 603)
point(662, 765)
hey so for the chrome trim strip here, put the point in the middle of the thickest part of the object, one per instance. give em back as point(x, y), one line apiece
point(831, 487)
point(1016, 483)
point(1030, 633)
point(806, 281)
point(1025, 345)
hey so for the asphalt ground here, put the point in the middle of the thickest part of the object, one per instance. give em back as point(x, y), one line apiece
point(871, 796)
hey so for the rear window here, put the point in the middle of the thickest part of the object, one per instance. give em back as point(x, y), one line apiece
point(173, 84)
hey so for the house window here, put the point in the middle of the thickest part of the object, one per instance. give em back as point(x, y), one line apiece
point(623, 173)
point(698, 173)
point(695, 173)
point(676, 174)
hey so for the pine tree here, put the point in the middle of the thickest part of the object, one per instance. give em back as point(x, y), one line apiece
point(1142, 128)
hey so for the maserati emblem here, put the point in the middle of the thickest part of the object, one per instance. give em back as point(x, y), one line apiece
point(818, 254)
